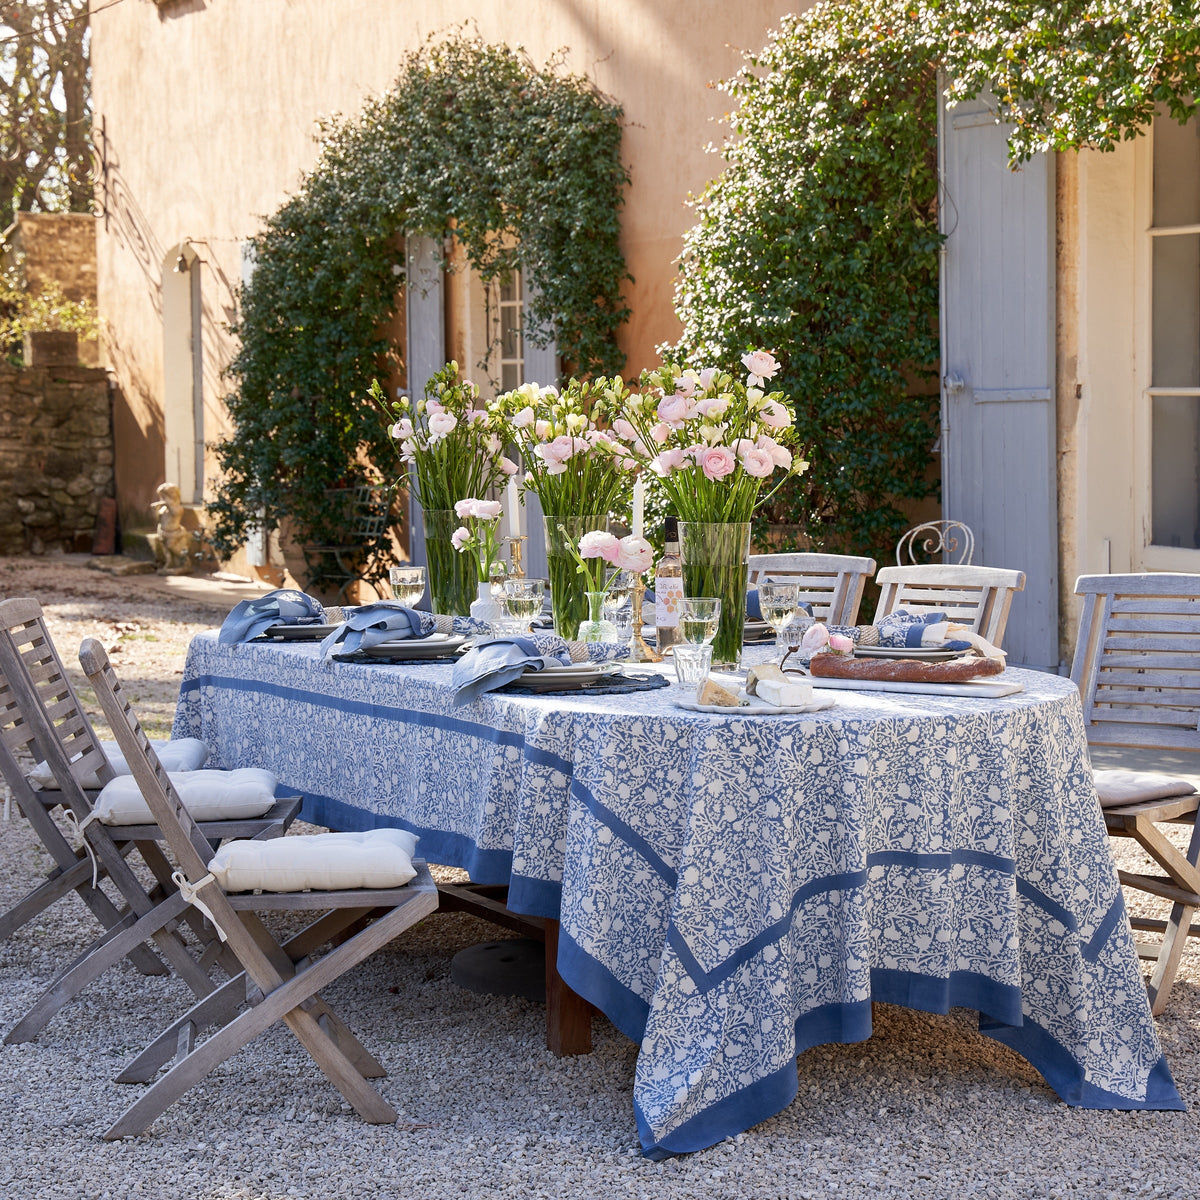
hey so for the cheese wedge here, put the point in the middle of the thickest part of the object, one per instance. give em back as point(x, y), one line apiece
point(713, 693)
point(793, 693)
point(766, 671)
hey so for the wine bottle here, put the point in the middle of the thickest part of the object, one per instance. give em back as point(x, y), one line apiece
point(668, 589)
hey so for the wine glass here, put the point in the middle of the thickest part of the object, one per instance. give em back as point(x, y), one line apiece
point(778, 602)
point(617, 594)
point(698, 617)
point(523, 599)
point(408, 584)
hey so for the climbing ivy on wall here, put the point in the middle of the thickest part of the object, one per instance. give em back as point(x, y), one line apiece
point(819, 239)
point(521, 164)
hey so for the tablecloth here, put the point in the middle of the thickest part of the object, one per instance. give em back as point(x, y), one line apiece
point(733, 890)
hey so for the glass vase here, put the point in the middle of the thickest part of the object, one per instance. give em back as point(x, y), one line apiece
point(596, 627)
point(714, 564)
point(453, 577)
point(568, 598)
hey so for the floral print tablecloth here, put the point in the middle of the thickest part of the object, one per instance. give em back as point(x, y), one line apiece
point(733, 890)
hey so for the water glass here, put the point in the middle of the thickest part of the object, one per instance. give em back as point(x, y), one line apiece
point(692, 663)
point(523, 600)
point(698, 619)
point(408, 584)
point(778, 602)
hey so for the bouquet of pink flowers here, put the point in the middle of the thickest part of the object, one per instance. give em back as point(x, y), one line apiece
point(477, 533)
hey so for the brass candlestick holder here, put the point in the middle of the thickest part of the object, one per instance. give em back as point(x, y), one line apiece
point(514, 552)
point(638, 650)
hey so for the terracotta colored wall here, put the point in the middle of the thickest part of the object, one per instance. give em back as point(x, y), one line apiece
point(205, 115)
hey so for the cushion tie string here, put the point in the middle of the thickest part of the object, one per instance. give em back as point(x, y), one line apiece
point(188, 892)
point(80, 828)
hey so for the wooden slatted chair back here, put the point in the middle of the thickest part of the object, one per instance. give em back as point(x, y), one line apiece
point(1137, 660)
point(832, 583)
point(978, 597)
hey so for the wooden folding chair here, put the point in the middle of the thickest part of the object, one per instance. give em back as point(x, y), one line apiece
point(1137, 667)
point(832, 583)
point(978, 597)
point(43, 720)
point(281, 981)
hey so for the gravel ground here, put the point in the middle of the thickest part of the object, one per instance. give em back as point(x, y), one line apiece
point(926, 1108)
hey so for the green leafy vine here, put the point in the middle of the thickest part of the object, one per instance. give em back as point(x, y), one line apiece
point(521, 164)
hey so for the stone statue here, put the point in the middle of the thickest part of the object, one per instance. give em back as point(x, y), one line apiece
point(172, 544)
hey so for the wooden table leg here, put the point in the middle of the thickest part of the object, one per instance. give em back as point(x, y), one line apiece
point(568, 1015)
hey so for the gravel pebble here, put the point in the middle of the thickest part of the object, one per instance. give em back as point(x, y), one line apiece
point(926, 1108)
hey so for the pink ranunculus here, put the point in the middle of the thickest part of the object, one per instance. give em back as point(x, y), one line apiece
point(434, 406)
point(673, 409)
point(757, 463)
point(839, 643)
point(398, 431)
point(781, 456)
point(760, 366)
point(557, 451)
point(623, 429)
point(440, 424)
point(556, 468)
point(705, 378)
point(636, 555)
point(487, 510)
point(816, 637)
point(541, 429)
point(774, 415)
point(661, 432)
point(666, 461)
point(460, 537)
point(717, 461)
point(712, 406)
point(523, 419)
point(506, 465)
point(685, 385)
point(475, 414)
point(599, 543)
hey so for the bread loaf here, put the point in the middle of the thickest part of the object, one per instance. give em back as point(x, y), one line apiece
point(957, 670)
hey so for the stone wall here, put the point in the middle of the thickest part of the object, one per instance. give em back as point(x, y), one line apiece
point(56, 456)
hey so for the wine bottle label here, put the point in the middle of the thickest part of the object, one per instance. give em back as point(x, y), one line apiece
point(668, 592)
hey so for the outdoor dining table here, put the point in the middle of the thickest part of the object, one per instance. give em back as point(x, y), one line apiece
point(732, 889)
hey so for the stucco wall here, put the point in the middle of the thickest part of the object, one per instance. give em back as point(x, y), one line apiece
point(205, 115)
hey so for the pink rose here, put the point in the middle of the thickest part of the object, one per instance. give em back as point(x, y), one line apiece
point(781, 456)
point(717, 461)
point(666, 461)
point(440, 424)
point(661, 432)
point(774, 415)
point(816, 638)
point(599, 543)
point(760, 366)
point(460, 537)
point(523, 419)
point(839, 643)
point(757, 463)
point(674, 409)
point(636, 555)
point(506, 465)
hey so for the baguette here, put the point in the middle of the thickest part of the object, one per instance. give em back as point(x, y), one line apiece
point(957, 670)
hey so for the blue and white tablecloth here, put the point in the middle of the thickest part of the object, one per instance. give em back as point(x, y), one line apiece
point(733, 890)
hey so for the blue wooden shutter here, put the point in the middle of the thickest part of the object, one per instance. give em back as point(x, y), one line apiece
point(997, 328)
point(541, 366)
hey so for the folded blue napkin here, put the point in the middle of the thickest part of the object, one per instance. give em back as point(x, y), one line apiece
point(493, 664)
point(902, 628)
point(371, 624)
point(284, 606)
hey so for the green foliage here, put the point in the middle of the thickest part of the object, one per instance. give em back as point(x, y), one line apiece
point(22, 312)
point(522, 165)
point(820, 240)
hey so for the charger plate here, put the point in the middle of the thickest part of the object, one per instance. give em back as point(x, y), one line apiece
point(437, 645)
point(756, 709)
point(297, 633)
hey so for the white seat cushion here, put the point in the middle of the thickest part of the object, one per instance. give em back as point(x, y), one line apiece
point(181, 754)
point(377, 858)
point(1118, 788)
point(207, 795)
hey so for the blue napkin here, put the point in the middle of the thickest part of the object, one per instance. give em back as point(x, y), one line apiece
point(902, 628)
point(375, 623)
point(284, 606)
point(493, 664)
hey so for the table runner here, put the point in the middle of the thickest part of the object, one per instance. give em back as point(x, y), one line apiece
point(734, 890)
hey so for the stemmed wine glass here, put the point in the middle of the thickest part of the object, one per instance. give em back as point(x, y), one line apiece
point(698, 619)
point(408, 583)
point(779, 602)
point(523, 600)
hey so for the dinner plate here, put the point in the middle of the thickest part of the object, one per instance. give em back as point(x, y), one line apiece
point(298, 633)
point(566, 673)
point(437, 645)
point(757, 709)
point(921, 653)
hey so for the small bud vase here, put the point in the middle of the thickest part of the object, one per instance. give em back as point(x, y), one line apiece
point(486, 607)
point(595, 628)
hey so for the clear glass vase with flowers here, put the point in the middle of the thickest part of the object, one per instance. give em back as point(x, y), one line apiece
point(719, 446)
point(452, 447)
point(476, 539)
point(595, 552)
point(580, 467)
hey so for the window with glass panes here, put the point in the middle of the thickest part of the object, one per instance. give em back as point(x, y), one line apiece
point(510, 340)
point(1175, 336)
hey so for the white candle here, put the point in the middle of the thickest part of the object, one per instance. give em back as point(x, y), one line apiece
point(514, 508)
point(639, 508)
